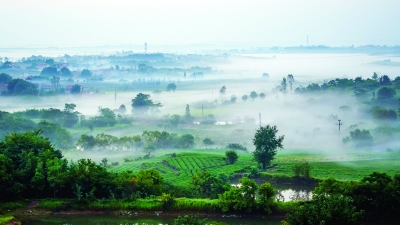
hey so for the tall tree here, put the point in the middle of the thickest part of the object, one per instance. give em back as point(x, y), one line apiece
point(284, 86)
point(171, 87)
point(266, 142)
point(290, 80)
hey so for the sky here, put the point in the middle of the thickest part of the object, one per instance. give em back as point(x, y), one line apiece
point(221, 23)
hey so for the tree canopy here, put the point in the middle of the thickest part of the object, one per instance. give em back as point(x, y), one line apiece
point(142, 104)
point(266, 142)
point(5, 78)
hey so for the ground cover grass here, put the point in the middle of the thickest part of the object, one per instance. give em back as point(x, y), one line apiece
point(180, 169)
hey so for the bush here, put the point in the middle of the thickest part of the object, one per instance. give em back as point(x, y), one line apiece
point(302, 169)
point(326, 209)
point(207, 141)
point(231, 156)
point(236, 146)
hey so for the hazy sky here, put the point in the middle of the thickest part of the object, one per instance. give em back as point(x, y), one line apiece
point(63, 23)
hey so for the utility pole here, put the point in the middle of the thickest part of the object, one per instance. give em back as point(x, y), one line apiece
point(145, 47)
point(339, 124)
point(307, 40)
point(259, 114)
point(202, 111)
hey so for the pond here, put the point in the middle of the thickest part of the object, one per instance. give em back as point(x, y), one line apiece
point(135, 220)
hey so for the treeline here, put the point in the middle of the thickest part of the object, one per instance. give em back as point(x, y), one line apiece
point(149, 141)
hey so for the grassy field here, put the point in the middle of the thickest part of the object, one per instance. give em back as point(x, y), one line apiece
point(180, 169)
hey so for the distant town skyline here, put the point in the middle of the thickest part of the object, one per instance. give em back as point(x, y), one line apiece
point(222, 23)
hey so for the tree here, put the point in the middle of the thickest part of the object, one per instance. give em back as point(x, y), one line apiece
point(375, 76)
point(149, 182)
point(76, 89)
point(266, 143)
point(290, 80)
point(186, 141)
point(209, 186)
point(266, 193)
point(386, 93)
point(222, 93)
point(231, 156)
point(70, 117)
point(233, 98)
point(86, 73)
point(284, 86)
point(21, 87)
point(171, 87)
point(242, 198)
point(361, 137)
point(188, 117)
point(326, 209)
point(65, 72)
point(49, 71)
point(55, 81)
point(142, 103)
point(86, 142)
point(122, 109)
point(253, 95)
point(208, 141)
point(384, 80)
point(244, 98)
point(262, 96)
point(5, 78)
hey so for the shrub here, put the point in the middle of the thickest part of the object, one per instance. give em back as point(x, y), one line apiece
point(231, 156)
point(302, 169)
point(207, 141)
point(236, 146)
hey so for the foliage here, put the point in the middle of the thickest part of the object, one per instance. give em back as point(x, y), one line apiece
point(233, 99)
point(208, 186)
point(239, 198)
point(171, 87)
point(266, 196)
point(326, 210)
point(302, 169)
point(244, 98)
point(262, 96)
point(189, 220)
point(188, 117)
point(231, 156)
point(209, 119)
point(208, 141)
point(142, 104)
point(60, 137)
point(360, 137)
point(86, 142)
point(236, 146)
point(149, 182)
point(253, 95)
point(76, 89)
point(86, 73)
point(386, 93)
point(383, 114)
point(65, 72)
point(21, 87)
point(266, 143)
point(49, 71)
point(5, 78)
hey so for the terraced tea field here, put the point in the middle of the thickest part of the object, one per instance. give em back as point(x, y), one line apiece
point(181, 168)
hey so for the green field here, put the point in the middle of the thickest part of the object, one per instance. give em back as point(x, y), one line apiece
point(181, 168)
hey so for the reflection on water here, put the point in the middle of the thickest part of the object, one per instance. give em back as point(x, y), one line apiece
point(293, 195)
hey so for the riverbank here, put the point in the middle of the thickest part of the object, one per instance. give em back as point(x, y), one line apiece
point(9, 220)
point(140, 207)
